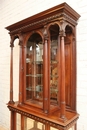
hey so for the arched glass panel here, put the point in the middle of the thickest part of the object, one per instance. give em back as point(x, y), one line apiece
point(34, 69)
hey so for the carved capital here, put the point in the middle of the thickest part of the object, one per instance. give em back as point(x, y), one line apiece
point(62, 33)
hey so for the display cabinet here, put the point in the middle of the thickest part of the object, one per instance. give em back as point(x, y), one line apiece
point(47, 70)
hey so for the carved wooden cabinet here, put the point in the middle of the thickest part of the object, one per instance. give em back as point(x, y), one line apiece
point(47, 69)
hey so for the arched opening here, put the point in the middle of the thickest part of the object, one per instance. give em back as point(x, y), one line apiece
point(68, 30)
point(34, 69)
point(54, 32)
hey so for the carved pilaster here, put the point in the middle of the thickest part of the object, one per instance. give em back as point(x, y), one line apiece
point(20, 68)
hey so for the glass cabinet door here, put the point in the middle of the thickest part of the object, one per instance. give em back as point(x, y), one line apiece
point(54, 72)
point(34, 69)
point(54, 64)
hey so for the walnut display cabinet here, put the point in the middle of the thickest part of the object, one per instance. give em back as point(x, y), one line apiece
point(47, 70)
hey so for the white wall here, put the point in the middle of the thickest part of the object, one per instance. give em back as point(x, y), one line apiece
point(12, 11)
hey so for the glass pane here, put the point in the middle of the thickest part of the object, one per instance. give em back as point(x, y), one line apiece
point(18, 121)
point(34, 70)
point(33, 125)
point(54, 64)
point(54, 72)
point(51, 128)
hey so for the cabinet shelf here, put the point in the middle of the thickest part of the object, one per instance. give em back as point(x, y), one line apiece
point(54, 62)
point(34, 62)
point(40, 62)
point(36, 75)
point(54, 76)
point(40, 75)
point(53, 90)
point(30, 89)
point(39, 89)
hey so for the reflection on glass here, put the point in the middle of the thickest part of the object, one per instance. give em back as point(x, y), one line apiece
point(18, 118)
point(54, 65)
point(54, 72)
point(34, 67)
point(51, 128)
point(34, 125)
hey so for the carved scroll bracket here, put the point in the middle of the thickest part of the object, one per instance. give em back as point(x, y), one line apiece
point(12, 40)
point(15, 36)
point(21, 39)
point(62, 28)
